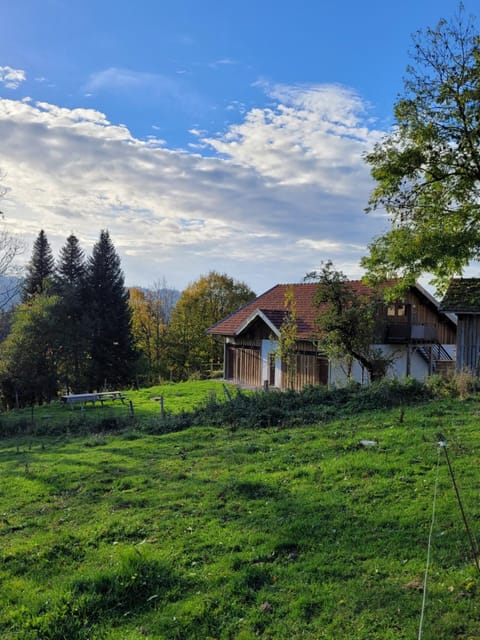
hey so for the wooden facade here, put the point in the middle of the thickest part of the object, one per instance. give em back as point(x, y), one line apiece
point(468, 343)
point(463, 299)
point(311, 367)
point(416, 319)
point(244, 365)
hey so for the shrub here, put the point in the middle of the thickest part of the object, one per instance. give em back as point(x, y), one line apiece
point(465, 382)
point(290, 408)
point(461, 384)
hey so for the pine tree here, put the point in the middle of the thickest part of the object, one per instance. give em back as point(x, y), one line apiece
point(112, 352)
point(71, 315)
point(71, 268)
point(40, 269)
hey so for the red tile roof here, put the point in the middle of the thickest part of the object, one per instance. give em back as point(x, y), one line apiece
point(272, 305)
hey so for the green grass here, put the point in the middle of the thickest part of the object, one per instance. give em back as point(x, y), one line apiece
point(278, 533)
point(145, 404)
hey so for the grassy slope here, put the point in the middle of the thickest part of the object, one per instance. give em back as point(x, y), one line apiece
point(182, 396)
point(293, 533)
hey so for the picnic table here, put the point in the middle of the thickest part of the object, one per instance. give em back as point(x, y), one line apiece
point(101, 396)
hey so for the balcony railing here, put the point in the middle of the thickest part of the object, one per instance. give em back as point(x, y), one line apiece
point(407, 332)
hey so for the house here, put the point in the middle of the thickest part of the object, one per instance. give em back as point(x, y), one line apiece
point(419, 336)
point(463, 299)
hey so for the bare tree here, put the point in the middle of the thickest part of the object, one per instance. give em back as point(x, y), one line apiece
point(11, 246)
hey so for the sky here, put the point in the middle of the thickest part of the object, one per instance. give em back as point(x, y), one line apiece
point(203, 134)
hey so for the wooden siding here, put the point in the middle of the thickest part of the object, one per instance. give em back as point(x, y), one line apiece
point(243, 363)
point(311, 369)
point(414, 320)
point(257, 330)
point(468, 342)
point(422, 313)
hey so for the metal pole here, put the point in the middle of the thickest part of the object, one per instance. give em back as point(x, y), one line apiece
point(473, 543)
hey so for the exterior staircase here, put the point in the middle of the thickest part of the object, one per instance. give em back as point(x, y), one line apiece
point(436, 354)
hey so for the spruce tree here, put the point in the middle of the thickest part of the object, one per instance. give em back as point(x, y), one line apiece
point(40, 269)
point(71, 268)
point(72, 317)
point(112, 352)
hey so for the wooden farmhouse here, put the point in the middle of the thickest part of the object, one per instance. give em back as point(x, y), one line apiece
point(463, 299)
point(419, 336)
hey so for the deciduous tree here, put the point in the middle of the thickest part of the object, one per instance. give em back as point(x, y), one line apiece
point(201, 304)
point(28, 364)
point(427, 169)
point(11, 246)
point(287, 344)
point(151, 310)
point(347, 321)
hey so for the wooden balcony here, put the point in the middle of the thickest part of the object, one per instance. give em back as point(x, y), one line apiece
point(405, 332)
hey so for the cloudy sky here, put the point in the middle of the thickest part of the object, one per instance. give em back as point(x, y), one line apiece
point(205, 134)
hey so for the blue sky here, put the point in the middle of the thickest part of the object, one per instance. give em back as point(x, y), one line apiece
point(203, 134)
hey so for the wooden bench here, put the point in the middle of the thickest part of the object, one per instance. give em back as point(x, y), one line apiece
point(111, 395)
point(83, 398)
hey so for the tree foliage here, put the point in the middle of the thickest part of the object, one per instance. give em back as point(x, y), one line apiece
point(72, 317)
point(201, 304)
point(347, 321)
point(28, 365)
point(427, 170)
point(287, 343)
point(112, 353)
point(151, 311)
point(40, 269)
point(71, 269)
point(74, 330)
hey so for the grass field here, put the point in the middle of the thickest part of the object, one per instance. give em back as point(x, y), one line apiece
point(142, 405)
point(217, 534)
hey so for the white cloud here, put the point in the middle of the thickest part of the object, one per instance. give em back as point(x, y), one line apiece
point(313, 135)
point(114, 78)
point(12, 78)
point(287, 193)
point(222, 62)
